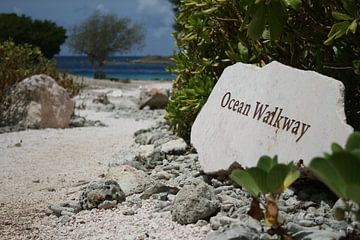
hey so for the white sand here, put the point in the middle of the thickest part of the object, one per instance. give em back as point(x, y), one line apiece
point(51, 165)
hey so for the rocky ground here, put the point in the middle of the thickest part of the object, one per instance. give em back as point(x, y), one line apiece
point(126, 176)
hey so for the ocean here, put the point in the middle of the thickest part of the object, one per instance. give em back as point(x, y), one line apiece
point(115, 67)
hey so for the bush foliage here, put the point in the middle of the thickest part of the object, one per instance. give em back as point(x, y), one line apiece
point(44, 34)
point(319, 35)
point(18, 62)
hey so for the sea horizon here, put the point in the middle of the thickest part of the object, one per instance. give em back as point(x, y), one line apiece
point(118, 67)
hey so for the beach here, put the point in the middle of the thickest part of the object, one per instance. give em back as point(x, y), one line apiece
point(41, 167)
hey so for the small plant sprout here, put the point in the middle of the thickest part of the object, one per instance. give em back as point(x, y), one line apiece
point(270, 179)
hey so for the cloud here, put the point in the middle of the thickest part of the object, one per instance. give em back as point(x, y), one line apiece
point(18, 10)
point(159, 16)
point(152, 6)
point(101, 8)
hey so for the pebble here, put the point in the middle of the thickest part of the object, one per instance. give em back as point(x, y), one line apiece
point(229, 220)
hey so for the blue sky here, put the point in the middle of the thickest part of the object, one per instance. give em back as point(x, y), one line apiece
point(156, 16)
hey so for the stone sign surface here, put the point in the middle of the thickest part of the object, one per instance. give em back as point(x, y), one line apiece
point(274, 110)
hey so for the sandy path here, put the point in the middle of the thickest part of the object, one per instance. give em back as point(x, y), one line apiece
point(49, 164)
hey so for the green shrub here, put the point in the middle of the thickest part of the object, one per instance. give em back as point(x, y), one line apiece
point(340, 172)
point(187, 102)
point(319, 35)
point(18, 62)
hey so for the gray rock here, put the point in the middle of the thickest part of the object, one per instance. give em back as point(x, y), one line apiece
point(221, 220)
point(131, 180)
point(163, 175)
point(126, 157)
point(64, 219)
point(175, 147)
point(99, 191)
point(107, 204)
point(154, 98)
point(237, 232)
point(129, 212)
point(66, 213)
point(156, 136)
point(101, 98)
point(58, 210)
point(37, 102)
point(78, 121)
point(339, 209)
point(194, 201)
point(318, 234)
point(159, 188)
point(306, 223)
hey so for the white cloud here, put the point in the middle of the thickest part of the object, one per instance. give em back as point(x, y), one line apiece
point(152, 6)
point(18, 10)
point(159, 16)
point(101, 8)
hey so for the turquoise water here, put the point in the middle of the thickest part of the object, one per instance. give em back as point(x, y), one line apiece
point(116, 67)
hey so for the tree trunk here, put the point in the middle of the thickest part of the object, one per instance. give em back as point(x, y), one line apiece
point(100, 74)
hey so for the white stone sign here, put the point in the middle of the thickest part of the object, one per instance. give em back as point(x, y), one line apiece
point(274, 110)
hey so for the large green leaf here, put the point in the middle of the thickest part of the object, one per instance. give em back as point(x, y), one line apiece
point(348, 167)
point(325, 171)
point(257, 24)
point(353, 141)
point(260, 177)
point(276, 177)
point(245, 180)
point(353, 193)
point(266, 163)
point(277, 19)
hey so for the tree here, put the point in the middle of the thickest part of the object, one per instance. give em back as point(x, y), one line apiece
point(24, 30)
point(101, 35)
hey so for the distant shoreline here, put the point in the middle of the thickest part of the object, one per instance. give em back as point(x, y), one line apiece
point(119, 67)
point(149, 59)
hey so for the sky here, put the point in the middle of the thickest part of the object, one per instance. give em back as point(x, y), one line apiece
point(156, 16)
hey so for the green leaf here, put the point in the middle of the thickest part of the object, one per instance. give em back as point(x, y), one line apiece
point(353, 193)
point(210, 10)
point(337, 31)
point(353, 141)
point(257, 24)
point(347, 165)
point(266, 163)
point(336, 148)
point(260, 177)
point(295, 4)
point(245, 180)
point(326, 172)
point(244, 52)
point(277, 19)
point(290, 179)
point(353, 26)
point(341, 16)
point(277, 176)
